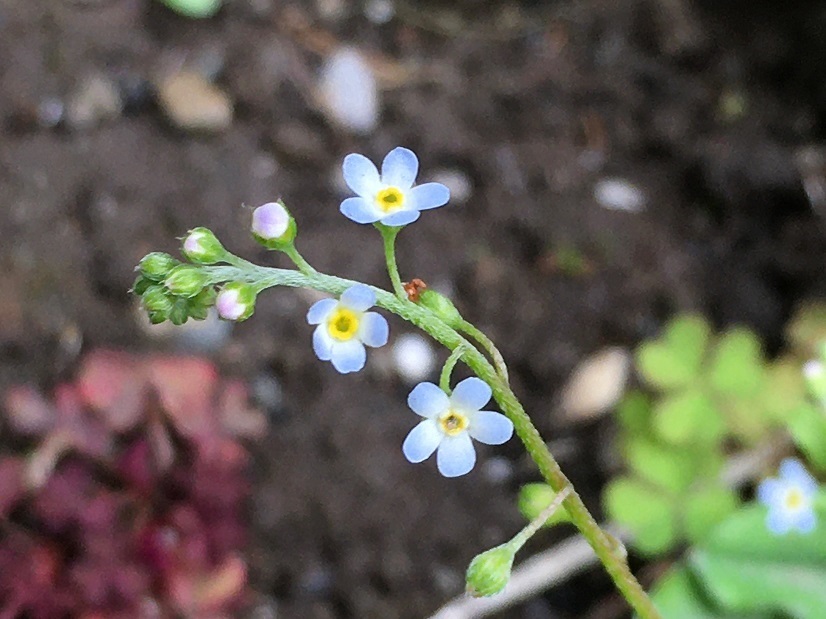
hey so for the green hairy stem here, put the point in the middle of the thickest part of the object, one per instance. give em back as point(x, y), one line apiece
point(494, 373)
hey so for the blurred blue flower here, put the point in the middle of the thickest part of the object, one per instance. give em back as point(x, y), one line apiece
point(345, 327)
point(450, 422)
point(390, 198)
point(790, 499)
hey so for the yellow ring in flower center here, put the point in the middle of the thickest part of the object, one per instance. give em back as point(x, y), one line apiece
point(390, 199)
point(342, 324)
point(794, 499)
point(453, 423)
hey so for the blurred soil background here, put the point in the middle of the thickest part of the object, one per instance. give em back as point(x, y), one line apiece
point(612, 162)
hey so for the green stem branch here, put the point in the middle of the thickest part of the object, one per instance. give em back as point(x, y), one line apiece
point(388, 235)
point(303, 266)
point(447, 369)
point(605, 549)
point(487, 343)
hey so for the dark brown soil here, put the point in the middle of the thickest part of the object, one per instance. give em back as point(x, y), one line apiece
point(704, 106)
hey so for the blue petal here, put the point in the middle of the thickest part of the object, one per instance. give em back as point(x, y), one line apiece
point(771, 491)
point(471, 394)
point(319, 311)
point(804, 521)
point(427, 400)
point(456, 455)
point(373, 330)
point(348, 356)
point(778, 522)
point(360, 211)
point(400, 218)
point(361, 175)
point(429, 195)
point(322, 343)
point(399, 168)
point(794, 473)
point(490, 428)
point(422, 441)
point(358, 298)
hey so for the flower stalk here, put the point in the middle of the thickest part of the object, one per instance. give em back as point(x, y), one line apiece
point(613, 561)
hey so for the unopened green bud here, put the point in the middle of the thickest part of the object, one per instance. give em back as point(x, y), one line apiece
point(180, 311)
point(236, 301)
point(157, 265)
point(157, 299)
point(273, 226)
point(141, 285)
point(440, 305)
point(536, 498)
point(185, 280)
point(203, 247)
point(490, 571)
point(198, 306)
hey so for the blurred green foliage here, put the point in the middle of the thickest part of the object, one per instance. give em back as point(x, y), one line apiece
point(742, 571)
point(702, 395)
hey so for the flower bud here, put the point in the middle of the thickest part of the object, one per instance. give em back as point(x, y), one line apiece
point(141, 285)
point(440, 305)
point(157, 265)
point(180, 311)
point(156, 299)
point(202, 247)
point(185, 280)
point(490, 571)
point(236, 301)
point(273, 226)
point(536, 498)
point(198, 306)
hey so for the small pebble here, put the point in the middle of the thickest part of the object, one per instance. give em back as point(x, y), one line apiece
point(96, 99)
point(348, 92)
point(618, 194)
point(194, 104)
point(596, 384)
point(268, 394)
point(497, 470)
point(331, 10)
point(413, 358)
point(379, 11)
point(50, 112)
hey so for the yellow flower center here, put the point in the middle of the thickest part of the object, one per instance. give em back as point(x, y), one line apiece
point(452, 423)
point(390, 199)
point(343, 324)
point(794, 499)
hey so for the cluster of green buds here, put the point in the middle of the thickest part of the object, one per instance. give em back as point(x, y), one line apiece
point(171, 290)
point(177, 291)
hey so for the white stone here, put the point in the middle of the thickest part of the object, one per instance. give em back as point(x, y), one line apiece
point(413, 358)
point(348, 91)
point(379, 11)
point(618, 194)
point(596, 384)
point(194, 104)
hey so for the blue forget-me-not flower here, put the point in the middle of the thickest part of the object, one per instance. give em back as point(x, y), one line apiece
point(345, 327)
point(450, 422)
point(790, 499)
point(391, 198)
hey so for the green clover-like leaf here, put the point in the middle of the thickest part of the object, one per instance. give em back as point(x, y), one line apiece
point(673, 360)
point(648, 512)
